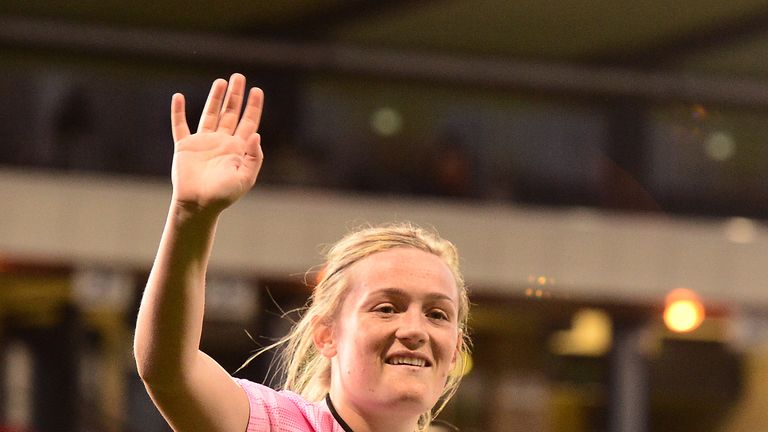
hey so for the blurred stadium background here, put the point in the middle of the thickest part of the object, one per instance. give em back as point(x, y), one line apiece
point(588, 157)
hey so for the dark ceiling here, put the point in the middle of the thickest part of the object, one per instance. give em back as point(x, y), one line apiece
point(703, 36)
point(695, 52)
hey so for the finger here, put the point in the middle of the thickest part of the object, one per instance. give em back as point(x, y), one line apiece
point(249, 124)
point(210, 117)
point(252, 159)
point(179, 127)
point(233, 101)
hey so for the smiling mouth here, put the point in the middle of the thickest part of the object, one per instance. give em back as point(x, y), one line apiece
point(407, 361)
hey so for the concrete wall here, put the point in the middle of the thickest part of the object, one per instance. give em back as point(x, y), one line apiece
point(580, 253)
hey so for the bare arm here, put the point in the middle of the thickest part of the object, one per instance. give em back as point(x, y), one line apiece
point(212, 169)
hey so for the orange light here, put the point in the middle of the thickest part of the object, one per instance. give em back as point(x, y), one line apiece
point(320, 275)
point(684, 312)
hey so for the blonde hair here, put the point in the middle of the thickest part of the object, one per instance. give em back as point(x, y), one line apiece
point(307, 372)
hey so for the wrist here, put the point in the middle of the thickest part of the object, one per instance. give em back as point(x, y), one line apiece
point(187, 213)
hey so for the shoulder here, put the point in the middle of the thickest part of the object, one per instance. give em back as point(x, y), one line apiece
point(285, 411)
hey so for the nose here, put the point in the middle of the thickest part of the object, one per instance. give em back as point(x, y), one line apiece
point(412, 330)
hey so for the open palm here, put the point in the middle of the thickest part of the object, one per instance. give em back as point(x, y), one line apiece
point(218, 164)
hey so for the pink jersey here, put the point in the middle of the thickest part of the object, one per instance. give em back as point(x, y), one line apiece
point(285, 411)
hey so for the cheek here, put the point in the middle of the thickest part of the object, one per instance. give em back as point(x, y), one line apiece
point(372, 338)
point(448, 345)
point(361, 343)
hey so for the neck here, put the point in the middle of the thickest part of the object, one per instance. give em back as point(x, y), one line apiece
point(358, 421)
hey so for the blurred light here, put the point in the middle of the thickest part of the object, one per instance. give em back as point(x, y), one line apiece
point(719, 146)
point(740, 230)
point(699, 112)
point(684, 312)
point(386, 121)
point(541, 280)
point(467, 364)
point(538, 293)
point(590, 335)
point(539, 287)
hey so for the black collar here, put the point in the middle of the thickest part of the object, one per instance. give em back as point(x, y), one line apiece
point(336, 415)
point(346, 427)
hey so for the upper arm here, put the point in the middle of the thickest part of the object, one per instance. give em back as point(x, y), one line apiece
point(204, 399)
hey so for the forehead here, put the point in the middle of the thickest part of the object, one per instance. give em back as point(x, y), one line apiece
point(410, 269)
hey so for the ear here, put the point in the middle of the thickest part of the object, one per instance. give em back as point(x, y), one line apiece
point(323, 337)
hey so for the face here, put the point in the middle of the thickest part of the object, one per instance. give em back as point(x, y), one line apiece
point(396, 337)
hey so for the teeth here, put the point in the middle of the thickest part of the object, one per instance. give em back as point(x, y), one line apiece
point(407, 361)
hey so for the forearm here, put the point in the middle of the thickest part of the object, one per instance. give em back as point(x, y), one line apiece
point(212, 169)
point(170, 318)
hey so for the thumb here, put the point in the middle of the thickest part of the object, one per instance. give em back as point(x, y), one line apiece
point(252, 159)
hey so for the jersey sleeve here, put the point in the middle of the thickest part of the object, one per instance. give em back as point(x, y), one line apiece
point(272, 411)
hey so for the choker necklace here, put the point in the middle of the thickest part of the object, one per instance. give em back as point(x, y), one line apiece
point(336, 415)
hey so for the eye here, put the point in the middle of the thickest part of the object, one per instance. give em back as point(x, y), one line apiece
point(385, 309)
point(437, 314)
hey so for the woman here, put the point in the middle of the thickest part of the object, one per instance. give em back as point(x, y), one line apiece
point(374, 351)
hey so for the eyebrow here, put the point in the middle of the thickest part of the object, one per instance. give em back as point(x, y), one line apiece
point(401, 293)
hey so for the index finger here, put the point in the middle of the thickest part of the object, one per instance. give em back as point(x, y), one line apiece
point(249, 123)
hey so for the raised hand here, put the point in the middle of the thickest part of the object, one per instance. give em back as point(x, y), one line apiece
point(218, 164)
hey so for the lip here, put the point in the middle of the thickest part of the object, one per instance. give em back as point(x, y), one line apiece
point(412, 354)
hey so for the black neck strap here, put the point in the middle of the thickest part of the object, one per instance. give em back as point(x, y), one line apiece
point(336, 415)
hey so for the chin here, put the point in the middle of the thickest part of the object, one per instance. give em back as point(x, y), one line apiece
point(416, 398)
